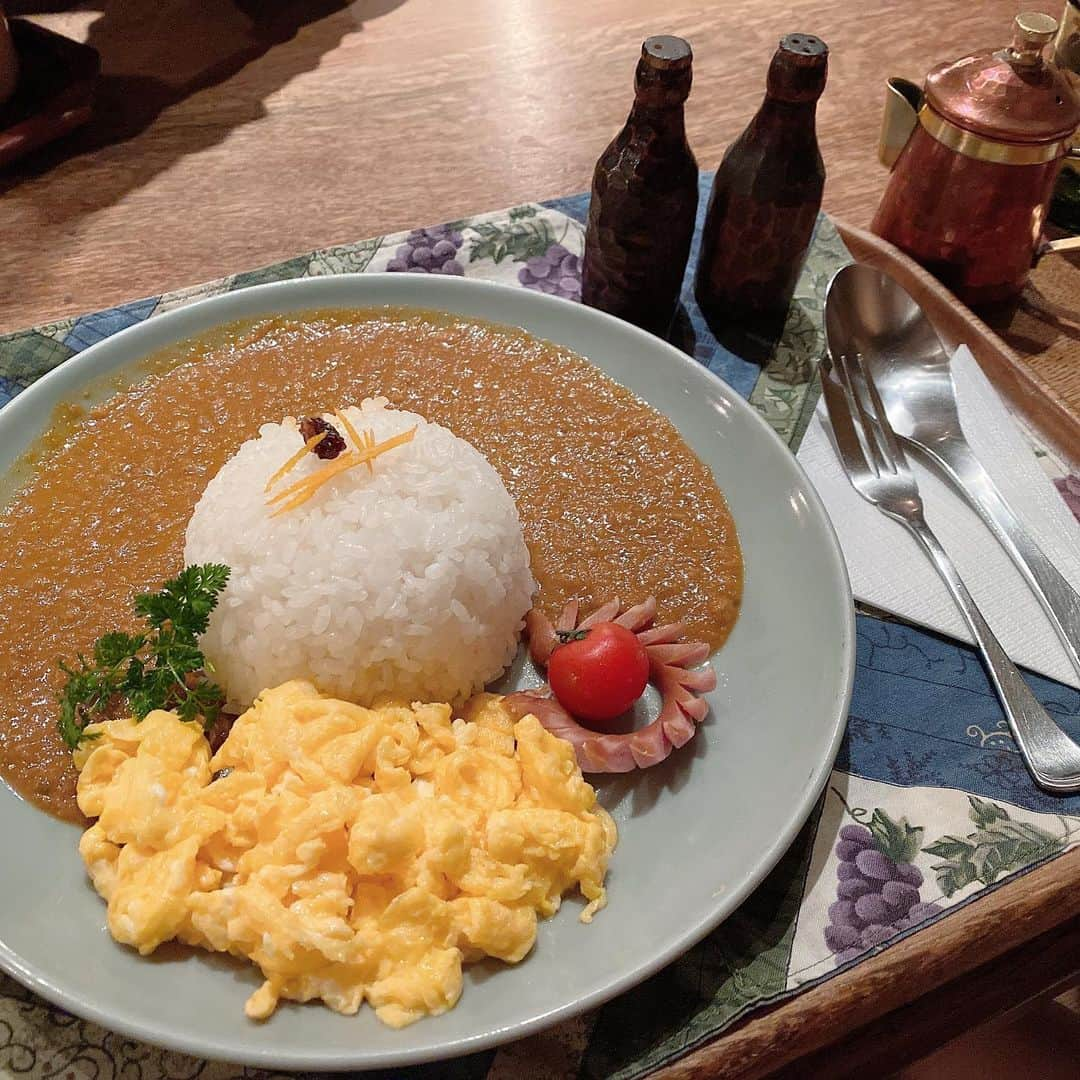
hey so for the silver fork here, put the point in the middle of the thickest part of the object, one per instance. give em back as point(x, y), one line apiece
point(878, 470)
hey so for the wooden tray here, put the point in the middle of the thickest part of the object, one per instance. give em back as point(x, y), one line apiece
point(1035, 401)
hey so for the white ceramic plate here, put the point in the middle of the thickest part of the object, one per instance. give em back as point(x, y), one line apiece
point(696, 834)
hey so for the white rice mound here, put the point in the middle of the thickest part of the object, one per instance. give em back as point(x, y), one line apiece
point(412, 582)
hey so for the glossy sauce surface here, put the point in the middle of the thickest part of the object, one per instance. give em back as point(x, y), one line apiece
point(612, 500)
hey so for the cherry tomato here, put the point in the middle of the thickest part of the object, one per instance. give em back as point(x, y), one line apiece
point(600, 672)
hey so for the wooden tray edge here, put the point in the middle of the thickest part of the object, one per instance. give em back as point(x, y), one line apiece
point(1025, 393)
point(958, 943)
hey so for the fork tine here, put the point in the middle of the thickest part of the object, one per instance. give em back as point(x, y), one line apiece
point(845, 436)
point(863, 422)
point(892, 445)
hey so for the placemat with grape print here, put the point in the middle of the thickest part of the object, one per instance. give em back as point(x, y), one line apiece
point(929, 806)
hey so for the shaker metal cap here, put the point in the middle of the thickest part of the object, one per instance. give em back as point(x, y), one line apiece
point(666, 50)
point(1011, 94)
point(664, 71)
point(799, 68)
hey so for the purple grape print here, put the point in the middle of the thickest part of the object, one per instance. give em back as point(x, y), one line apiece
point(872, 908)
point(877, 888)
point(858, 834)
point(557, 272)
point(842, 913)
point(897, 894)
point(845, 955)
point(1069, 486)
point(429, 251)
point(918, 912)
point(876, 934)
point(878, 885)
point(847, 851)
point(853, 888)
point(839, 938)
point(909, 874)
point(874, 866)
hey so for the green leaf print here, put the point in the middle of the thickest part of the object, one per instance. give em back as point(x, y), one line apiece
point(949, 847)
point(997, 846)
point(954, 875)
point(519, 240)
point(1032, 840)
point(983, 813)
point(897, 839)
point(519, 212)
point(1009, 845)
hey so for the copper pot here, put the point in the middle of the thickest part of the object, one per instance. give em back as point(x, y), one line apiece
point(975, 155)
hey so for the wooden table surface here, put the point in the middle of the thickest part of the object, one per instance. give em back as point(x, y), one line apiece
point(233, 134)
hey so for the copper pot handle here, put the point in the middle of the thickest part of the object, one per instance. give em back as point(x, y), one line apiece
point(1057, 247)
point(1066, 243)
point(1057, 314)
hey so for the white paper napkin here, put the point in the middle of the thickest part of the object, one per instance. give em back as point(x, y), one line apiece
point(889, 570)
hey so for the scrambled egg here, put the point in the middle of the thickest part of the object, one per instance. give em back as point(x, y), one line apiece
point(353, 854)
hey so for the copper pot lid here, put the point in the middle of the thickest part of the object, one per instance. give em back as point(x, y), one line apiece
point(1011, 94)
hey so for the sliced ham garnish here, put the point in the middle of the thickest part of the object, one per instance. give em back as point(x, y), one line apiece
point(658, 634)
point(639, 616)
point(604, 613)
point(542, 637)
point(670, 660)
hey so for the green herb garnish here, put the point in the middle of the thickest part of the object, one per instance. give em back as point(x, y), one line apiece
point(161, 668)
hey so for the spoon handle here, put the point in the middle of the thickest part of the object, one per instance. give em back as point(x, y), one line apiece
point(1057, 597)
point(1054, 759)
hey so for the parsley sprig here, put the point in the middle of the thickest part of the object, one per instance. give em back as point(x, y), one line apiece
point(160, 668)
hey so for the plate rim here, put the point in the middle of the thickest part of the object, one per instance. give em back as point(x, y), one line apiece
point(194, 313)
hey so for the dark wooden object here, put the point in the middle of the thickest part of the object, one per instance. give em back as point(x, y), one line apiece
point(644, 197)
point(54, 94)
point(765, 198)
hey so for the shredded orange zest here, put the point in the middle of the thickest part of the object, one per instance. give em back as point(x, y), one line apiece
point(366, 442)
point(349, 429)
point(317, 479)
point(297, 494)
point(295, 459)
point(369, 442)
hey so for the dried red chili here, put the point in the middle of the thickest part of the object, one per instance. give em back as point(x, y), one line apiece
point(328, 448)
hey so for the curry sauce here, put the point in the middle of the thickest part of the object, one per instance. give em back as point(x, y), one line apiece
point(612, 500)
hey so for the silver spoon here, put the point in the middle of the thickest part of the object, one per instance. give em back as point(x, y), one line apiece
point(877, 468)
point(868, 312)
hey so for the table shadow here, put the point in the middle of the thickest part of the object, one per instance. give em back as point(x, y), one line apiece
point(154, 56)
